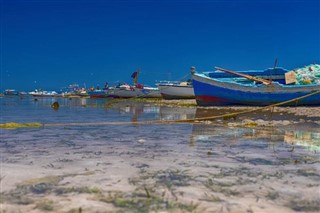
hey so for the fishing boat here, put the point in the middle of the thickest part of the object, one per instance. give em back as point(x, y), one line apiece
point(11, 92)
point(43, 93)
point(138, 90)
point(74, 91)
point(98, 93)
point(124, 90)
point(176, 90)
point(257, 88)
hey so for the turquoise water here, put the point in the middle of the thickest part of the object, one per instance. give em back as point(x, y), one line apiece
point(209, 164)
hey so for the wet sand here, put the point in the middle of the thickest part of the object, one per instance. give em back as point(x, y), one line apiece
point(247, 163)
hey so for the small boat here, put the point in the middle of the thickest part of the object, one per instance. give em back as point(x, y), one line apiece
point(176, 90)
point(74, 91)
point(11, 92)
point(98, 93)
point(136, 91)
point(43, 93)
point(257, 88)
point(124, 90)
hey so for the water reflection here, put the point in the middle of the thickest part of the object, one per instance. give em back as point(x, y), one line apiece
point(311, 140)
point(138, 111)
point(206, 133)
point(172, 113)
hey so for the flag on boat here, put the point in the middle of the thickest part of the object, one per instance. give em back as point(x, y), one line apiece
point(134, 75)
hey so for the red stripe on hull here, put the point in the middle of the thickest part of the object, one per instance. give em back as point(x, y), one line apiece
point(98, 96)
point(204, 100)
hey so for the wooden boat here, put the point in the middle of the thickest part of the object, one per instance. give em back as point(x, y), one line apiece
point(176, 90)
point(217, 88)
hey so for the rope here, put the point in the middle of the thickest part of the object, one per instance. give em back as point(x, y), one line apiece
point(251, 110)
point(185, 121)
point(188, 120)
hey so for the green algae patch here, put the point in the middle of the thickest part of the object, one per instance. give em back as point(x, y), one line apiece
point(13, 125)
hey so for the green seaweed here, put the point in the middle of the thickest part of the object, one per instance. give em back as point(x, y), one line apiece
point(139, 203)
point(272, 195)
point(88, 190)
point(308, 172)
point(13, 125)
point(45, 205)
point(304, 205)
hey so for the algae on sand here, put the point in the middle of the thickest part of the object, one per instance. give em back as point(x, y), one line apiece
point(13, 125)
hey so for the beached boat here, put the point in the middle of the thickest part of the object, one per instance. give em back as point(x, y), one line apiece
point(251, 88)
point(124, 90)
point(98, 93)
point(176, 90)
point(138, 90)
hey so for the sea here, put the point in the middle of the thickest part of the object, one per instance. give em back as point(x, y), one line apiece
point(107, 155)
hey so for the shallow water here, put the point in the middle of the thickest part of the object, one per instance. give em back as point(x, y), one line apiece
point(129, 167)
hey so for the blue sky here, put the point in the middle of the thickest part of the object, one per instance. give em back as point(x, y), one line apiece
point(50, 44)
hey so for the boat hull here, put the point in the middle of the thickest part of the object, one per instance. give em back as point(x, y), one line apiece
point(134, 93)
point(98, 94)
point(176, 91)
point(215, 92)
point(49, 94)
point(11, 92)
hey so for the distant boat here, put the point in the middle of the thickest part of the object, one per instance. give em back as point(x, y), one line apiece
point(176, 90)
point(73, 90)
point(137, 90)
point(262, 87)
point(98, 93)
point(11, 92)
point(127, 91)
point(40, 93)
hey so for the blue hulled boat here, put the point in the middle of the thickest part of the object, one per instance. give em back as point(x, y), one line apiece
point(255, 88)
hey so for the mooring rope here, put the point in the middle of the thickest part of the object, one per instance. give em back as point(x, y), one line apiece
point(251, 110)
point(182, 121)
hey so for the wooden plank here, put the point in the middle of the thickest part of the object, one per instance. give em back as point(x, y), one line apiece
point(264, 81)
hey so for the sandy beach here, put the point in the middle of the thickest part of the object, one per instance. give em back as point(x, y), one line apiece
point(248, 163)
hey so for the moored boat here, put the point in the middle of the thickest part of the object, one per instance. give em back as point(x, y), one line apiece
point(217, 88)
point(11, 92)
point(73, 91)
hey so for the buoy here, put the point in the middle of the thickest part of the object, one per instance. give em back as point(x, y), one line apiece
point(55, 105)
point(307, 81)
